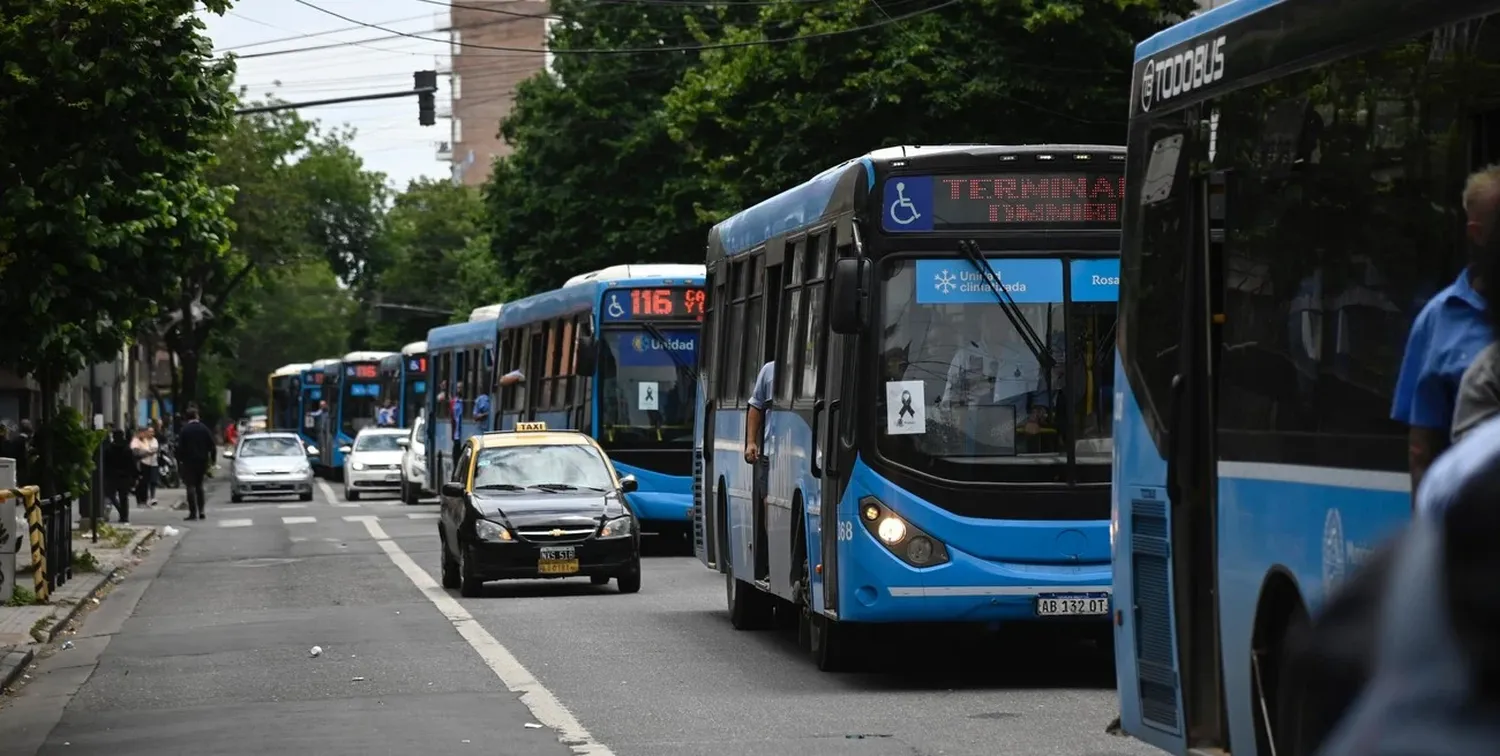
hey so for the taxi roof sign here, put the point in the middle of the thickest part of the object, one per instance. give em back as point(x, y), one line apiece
point(534, 426)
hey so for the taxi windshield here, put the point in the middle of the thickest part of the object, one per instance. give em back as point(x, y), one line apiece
point(554, 467)
point(270, 447)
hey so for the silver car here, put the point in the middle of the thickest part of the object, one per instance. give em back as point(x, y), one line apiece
point(414, 462)
point(271, 464)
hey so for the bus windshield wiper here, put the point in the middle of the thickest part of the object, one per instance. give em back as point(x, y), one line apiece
point(1008, 305)
point(666, 347)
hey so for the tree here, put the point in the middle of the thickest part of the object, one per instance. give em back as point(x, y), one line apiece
point(437, 263)
point(110, 108)
point(302, 195)
point(759, 119)
point(595, 178)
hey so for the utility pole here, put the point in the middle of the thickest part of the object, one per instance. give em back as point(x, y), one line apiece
point(424, 85)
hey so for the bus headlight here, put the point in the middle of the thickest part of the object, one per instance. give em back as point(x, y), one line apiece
point(900, 537)
point(491, 531)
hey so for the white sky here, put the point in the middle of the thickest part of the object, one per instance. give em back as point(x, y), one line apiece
point(389, 138)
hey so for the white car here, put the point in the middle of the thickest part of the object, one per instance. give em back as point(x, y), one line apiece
point(373, 462)
point(414, 462)
point(270, 464)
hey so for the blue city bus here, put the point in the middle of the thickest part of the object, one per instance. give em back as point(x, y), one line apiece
point(352, 387)
point(614, 352)
point(1295, 172)
point(284, 397)
point(460, 356)
point(312, 400)
point(942, 321)
point(403, 378)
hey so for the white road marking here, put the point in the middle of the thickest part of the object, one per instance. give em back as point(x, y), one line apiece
point(298, 520)
point(346, 505)
point(235, 523)
point(360, 518)
point(291, 506)
point(422, 515)
point(542, 703)
point(328, 492)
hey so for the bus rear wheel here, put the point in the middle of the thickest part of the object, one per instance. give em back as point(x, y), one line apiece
point(749, 609)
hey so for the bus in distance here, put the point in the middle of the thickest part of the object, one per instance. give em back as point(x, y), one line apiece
point(284, 397)
point(403, 379)
point(460, 358)
point(939, 326)
point(614, 353)
point(1294, 200)
point(352, 387)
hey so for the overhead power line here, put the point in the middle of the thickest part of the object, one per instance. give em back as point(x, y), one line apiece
point(312, 35)
point(647, 50)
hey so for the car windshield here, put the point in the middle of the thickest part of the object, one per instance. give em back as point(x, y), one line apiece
point(963, 390)
point(376, 442)
point(647, 388)
point(554, 466)
point(270, 447)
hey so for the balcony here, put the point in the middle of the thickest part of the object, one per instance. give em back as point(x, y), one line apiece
point(445, 151)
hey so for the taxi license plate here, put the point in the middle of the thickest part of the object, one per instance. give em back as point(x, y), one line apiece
point(1071, 604)
point(558, 560)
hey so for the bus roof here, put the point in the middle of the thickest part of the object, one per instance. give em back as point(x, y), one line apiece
point(487, 312)
point(832, 192)
point(1202, 23)
point(294, 368)
point(416, 347)
point(471, 333)
point(366, 356)
point(325, 362)
point(649, 270)
point(584, 296)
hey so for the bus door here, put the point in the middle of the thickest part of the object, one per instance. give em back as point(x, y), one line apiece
point(833, 420)
point(709, 542)
point(1191, 515)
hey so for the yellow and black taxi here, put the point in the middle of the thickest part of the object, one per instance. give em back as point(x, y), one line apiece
point(537, 503)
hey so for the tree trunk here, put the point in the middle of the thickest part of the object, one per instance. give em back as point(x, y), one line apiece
point(189, 357)
point(166, 417)
point(46, 477)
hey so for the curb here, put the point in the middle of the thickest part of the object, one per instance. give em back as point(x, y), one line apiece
point(61, 619)
point(13, 664)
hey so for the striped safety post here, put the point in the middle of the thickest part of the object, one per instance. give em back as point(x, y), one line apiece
point(38, 543)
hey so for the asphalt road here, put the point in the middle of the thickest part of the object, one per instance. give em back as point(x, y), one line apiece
point(205, 650)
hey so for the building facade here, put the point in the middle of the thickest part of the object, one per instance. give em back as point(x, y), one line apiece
point(482, 82)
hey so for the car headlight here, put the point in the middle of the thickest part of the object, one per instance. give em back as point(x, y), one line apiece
point(617, 528)
point(491, 531)
point(900, 537)
point(356, 465)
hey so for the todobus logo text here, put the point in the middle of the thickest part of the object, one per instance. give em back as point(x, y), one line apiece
point(1182, 72)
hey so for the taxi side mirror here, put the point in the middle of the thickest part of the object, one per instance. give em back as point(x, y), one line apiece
point(453, 489)
point(628, 484)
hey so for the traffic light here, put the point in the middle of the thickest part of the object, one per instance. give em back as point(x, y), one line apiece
point(425, 84)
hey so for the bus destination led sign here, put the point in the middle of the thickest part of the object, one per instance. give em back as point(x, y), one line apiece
point(657, 303)
point(1073, 199)
point(416, 364)
point(362, 370)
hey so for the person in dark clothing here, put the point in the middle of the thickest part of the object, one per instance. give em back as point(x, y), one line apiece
point(195, 452)
point(120, 473)
point(18, 447)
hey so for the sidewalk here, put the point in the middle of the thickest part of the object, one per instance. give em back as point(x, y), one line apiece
point(24, 629)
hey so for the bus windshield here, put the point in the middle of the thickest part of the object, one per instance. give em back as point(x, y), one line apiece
point(989, 408)
point(647, 387)
point(359, 403)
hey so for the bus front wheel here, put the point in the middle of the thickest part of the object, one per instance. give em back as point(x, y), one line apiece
point(749, 608)
point(829, 641)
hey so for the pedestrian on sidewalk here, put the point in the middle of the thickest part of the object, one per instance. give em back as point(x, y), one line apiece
point(146, 450)
point(195, 452)
point(121, 470)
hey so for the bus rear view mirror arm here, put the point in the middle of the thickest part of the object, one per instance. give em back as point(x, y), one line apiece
point(849, 297)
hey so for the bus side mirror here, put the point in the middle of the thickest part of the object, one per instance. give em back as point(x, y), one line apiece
point(850, 295)
point(312, 451)
point(587, 355)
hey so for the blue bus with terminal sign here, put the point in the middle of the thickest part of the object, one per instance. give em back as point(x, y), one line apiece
point(926, 337)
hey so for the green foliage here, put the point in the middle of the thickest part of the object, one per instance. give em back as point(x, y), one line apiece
point(85, 561)
point(21, 595)
point(436, 256)
point(110, 108)
point(74, 445)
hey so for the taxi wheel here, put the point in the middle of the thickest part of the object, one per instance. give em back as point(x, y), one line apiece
point(450, 566)
point(470, 586)
point(305, 496)
point(350, 494)
point(236, 498)
point(629, 582)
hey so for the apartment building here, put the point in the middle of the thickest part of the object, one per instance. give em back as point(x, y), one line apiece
point(482, 82)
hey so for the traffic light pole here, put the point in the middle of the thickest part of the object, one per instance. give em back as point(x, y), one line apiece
point(426, 85)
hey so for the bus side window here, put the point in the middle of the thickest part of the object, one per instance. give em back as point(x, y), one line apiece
point(734, 332)
point(810, 343)
point(562, 395)
point(442, 375)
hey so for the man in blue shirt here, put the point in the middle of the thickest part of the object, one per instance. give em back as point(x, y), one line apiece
point(756, 430)
point(1449, 331)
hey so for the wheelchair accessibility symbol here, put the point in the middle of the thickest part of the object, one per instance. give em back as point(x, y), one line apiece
point(908, 204)
point(615, 310)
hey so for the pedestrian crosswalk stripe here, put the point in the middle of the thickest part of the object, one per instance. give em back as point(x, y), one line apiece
point(359, 518)
point(422, 515)
point(298, 520)
point(235, 523)
point(346, 504)
point(291, 506)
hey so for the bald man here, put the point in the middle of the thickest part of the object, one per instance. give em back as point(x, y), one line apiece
point(1449, 332)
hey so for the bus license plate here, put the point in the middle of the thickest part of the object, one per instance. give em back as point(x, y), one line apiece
point(1071, 604)
point(558, 560)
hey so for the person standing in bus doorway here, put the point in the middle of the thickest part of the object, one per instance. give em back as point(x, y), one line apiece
point(757, 429)
point(1448, 333)
point(482, 410)
point(457, 413)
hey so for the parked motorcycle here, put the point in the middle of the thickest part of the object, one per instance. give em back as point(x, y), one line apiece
point(166, 467)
